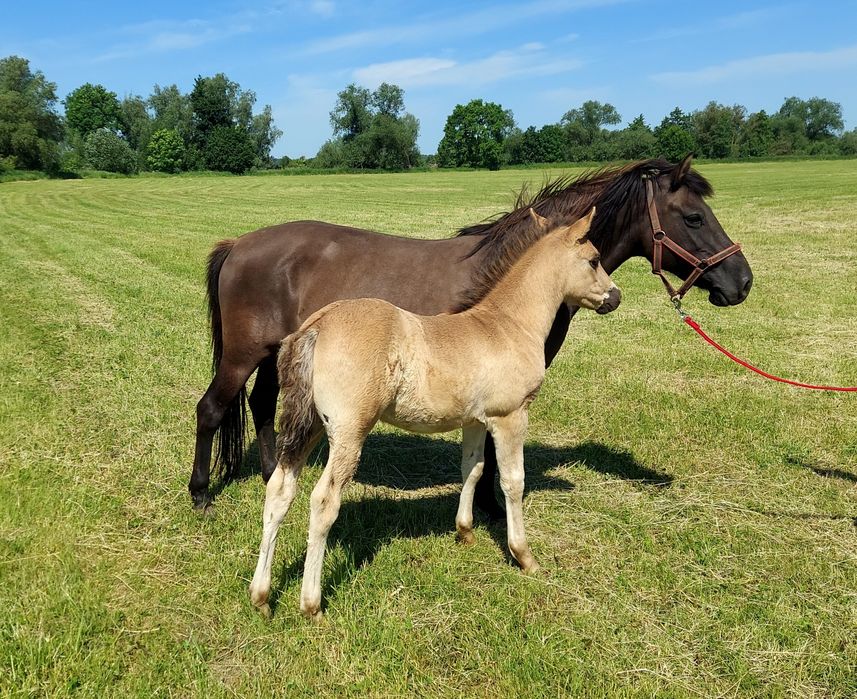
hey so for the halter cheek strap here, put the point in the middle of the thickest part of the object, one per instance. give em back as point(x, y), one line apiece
point(660, 240)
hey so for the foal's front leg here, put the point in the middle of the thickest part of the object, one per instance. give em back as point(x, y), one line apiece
point(472, 463)
point(509, 432)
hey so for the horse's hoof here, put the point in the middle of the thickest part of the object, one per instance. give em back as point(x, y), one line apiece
point(465, 537)
point(531, 568)
point(265, 611)
point(203, 503)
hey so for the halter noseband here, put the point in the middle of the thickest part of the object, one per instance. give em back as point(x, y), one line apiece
point(661, 239)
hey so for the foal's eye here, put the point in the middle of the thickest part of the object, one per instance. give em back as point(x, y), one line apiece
point(594, 262)
point(694, 220)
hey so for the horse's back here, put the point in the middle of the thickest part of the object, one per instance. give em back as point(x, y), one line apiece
point(276, 277)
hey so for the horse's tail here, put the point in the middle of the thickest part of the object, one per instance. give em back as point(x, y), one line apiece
point(230, 442)
point(298, 417)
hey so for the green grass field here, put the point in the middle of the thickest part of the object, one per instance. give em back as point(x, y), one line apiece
point(696, 523)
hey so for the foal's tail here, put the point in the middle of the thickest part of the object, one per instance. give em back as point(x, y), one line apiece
point(230, 444)
point(298, 417)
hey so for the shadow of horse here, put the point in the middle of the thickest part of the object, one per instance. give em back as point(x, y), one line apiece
point(409, 462)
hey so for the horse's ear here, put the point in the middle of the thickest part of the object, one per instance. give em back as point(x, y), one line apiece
point(540, 221)
point(680, 172)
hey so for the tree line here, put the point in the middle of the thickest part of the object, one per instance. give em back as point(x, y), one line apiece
point(214, 127)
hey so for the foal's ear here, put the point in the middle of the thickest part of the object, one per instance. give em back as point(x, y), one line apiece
point(540, 221)
point(580, 228)
point(680, 172)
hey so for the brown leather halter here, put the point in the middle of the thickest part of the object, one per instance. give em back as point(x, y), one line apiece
point(661, 239)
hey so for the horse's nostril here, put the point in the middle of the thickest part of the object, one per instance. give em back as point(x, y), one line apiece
point(747, 286)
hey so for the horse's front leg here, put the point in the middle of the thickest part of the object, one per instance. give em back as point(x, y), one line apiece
point(472, 462)
point(509, 433)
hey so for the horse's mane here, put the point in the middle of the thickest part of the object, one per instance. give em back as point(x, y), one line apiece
point(614, 190)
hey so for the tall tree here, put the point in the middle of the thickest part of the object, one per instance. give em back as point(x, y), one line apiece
point(30, 128)
point(352, 114)
point(474, 134)
point(92, 107)
point(717, 130)
point(821, 118)
point(371, 130)
point(172, 110)
point(590, 119)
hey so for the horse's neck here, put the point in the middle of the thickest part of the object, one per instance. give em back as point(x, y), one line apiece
point(528, 295)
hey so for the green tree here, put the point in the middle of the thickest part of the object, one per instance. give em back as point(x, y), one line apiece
point(636, 141)
point(105, 150)
point(821, 118)
point(848, 143)
point(591, 118)
point(92, 107)
point(352, 114)
point(228, 149)
point(674, 142)
point(135, 121)
point(474, 134)
point(717, 130)
point(674, 136)
point(757, 136)
point(544, 145)
point(165, 151)
point(213, 101)
point(30, 128)
point(371, 130)
point(263, 135)
point(172, 110)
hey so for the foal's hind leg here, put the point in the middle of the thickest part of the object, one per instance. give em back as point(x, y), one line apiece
point(263, 405)
point(279, 495)
point(472, 462)
point(509, 433)
point(326, 497)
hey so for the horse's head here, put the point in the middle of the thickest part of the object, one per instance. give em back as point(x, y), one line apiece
point(687, 220)
point(588, 284)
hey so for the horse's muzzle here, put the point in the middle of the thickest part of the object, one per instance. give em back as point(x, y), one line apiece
point(611, 303)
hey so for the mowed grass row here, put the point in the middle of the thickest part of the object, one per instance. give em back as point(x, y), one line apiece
point(696, 524)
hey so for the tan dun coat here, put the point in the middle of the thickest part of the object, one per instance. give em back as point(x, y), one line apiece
point(356, 362)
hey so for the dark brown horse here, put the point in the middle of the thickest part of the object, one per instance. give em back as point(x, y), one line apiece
point(263, 285)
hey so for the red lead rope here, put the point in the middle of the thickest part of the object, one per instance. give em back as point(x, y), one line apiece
point(695, 326)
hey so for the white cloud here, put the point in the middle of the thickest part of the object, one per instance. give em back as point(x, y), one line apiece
point(529, 60)
point(760, 66)
point(325, 8)
point(473, 23)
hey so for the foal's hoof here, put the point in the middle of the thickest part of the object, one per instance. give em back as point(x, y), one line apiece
point(465, 537)
point(314, 614)
point(265, 611)
point(531, 567)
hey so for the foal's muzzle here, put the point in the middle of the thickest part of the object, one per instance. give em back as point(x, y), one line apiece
point(611, 301)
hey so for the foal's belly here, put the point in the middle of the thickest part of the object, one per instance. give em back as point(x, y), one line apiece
point(413, 421)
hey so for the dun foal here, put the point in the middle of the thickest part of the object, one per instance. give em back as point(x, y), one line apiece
point(359, 361)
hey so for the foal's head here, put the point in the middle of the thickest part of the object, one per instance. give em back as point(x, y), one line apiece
point(588, 285)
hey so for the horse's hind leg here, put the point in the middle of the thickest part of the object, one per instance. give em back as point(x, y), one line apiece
point(509, 433)
point(279, 495)
point(484, 497)
point(324, 503)
point(224, 387)
point(263, 405)
point(472, 462)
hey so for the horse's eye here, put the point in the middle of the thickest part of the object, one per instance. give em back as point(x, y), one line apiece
point(694, 220)
point(594, 263)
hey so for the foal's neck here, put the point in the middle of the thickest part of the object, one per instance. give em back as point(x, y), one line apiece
point(528, 295)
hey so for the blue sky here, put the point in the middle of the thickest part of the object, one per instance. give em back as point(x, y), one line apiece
point(538, 59)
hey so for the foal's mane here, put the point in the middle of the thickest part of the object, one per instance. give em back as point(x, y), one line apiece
point(618, 192)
